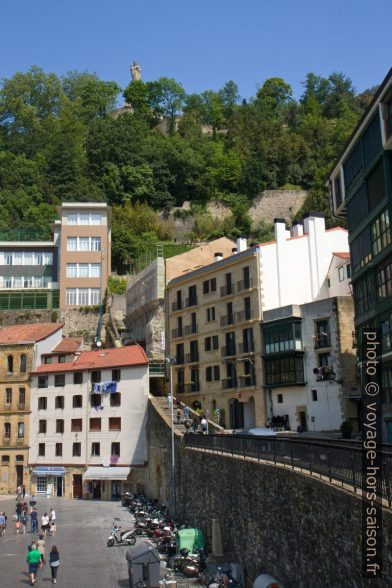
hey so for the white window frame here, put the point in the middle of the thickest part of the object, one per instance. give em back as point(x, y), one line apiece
point(72, 294)
point(72, 219)
point(83, 270)
point(95, 219)
point(95, 296)
point(83, 218)
point(83, 296)
point(95, 270)
point(341, 273)
point(15, 258)
point(72, 241)
point(72, 270)
point(95, 244)
point(86, 243)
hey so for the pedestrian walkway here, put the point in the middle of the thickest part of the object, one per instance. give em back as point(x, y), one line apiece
point(83, 528)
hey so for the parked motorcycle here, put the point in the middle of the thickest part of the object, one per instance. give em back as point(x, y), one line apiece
point(189, 565)
point(121, 537)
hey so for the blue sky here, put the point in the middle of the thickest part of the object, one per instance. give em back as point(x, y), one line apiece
point(200, 43)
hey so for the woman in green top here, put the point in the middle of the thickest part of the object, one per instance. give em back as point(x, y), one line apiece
point(33, 559)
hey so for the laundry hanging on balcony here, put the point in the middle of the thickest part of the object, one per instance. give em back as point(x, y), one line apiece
point(105, 388)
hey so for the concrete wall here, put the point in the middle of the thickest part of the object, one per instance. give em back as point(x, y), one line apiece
point(303, 531)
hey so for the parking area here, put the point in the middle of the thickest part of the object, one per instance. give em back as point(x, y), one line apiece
point(82, 531)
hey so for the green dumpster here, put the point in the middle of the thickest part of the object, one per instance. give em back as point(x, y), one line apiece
point(190, 539)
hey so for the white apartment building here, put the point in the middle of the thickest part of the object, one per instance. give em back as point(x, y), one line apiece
point(88, 423)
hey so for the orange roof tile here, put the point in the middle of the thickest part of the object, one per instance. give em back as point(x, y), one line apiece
point(68, 345)
point(342, 254)
point(100, 359)
point(31, 332)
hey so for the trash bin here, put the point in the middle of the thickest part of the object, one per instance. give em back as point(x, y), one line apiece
point(143, 564)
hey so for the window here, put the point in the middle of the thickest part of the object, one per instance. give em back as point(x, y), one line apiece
point(207, 344)
point(59, 380)
point(41, 449)
point(353, 165)
point(114, 423)
point(384, 281)
point(231, 375)
point(371, 140)
point(247, 340)
point(213, 285)
point(216, 372)
point(361, 249)
point(78, 378)
point(364, 294)
point(209, 374)
point(5, 459)
point(285, 370)
point(229, 286)
point(62, 358)
point(96, 449)
point(83, 296)
point(180, 381)
point(96, 400)
point(95, 243)
point(59, 402)
point(115, 399)
point(23, 363)
point(210, 314)
point(246, 276)
point(282, 337)
point(95, 296)
point(314, 395)
point(19, 458)
point(21, 429)
point(280, 398)
point(338, 191)
point(59, 450)
point(71, 297)
point(7, 430)
point(27, 282)
point(8, 395)
point(77, 401)
point(116, 449)
point(215, 342)
point(42, 381)
point(83, 270)
point(348, 271)
point(42, 403)
point(76, 425)
point(206, 286)
point(72, 270)
point(247, 308)
point(72, 219)
point(42, 427)
point(116, 375)
point(96, 376)
point(95, 270)
point(10, 364)
point(322, 333)
point(249, 377)
point(18, 258)
point(48, 360)
point(71, 244)
point(229, 315)
point(95, 219)
point(95, 424)
point(324, 359)
point(83, 244)
point(381, 233)
point(230, 343)
point(8, 258)
point(192, 296)
point(59, 426)
point(83, 218)
point(341, 273)
point(195, 380)
point(194, 351)
point(180, 352)
point(376, 186)
point(76, 449)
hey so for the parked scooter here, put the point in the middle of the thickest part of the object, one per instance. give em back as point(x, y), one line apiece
point(121, 538)
point(189, 565)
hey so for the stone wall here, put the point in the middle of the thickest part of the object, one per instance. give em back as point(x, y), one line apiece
point(21, 317)
point(297, 528)
point(81, 323)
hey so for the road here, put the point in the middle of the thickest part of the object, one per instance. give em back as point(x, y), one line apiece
point(82, 531)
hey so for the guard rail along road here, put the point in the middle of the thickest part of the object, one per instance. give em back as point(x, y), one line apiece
point(329, 459)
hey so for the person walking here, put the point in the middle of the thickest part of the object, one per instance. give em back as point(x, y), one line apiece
point(33, 501)
point(23, 522)
point(186, 412)
point(52, 520)
point(23, 491)
point(187, 425)
point(45, 526)
point(33, 559)
point(2, 524)
point(54, 562)
point(195, 424)
point(204, 424)
point(34, 520)
point(19, 492)
point(169, 399)
point(41, 548)
point(18, 510)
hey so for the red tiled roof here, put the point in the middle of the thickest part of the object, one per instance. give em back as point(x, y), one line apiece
point(342, 254)
point(31, 332)
point(68, 345)
point(94, 360)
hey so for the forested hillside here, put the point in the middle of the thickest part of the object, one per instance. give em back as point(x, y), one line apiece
point(59, 142)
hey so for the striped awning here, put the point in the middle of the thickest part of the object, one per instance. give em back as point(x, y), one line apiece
point(106, 473)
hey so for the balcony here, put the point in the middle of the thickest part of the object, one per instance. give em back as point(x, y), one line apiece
point(244, 315)
point(324, 373)
point(176, 333)
point(20, 441)
point(322, 341)
point(192, 357)
point(227, 290)
point(244, 285)
point(190, 329)
point(247, 381)
point(6, 441)
point(192, 387)
point(226, 320)
point(177, 305)
point(21, 406)
point(180, 359)
point(180, 388)
point(245, 348)
point(191, 301)
point(228, 351)
point(7, 406)
point(228, 384)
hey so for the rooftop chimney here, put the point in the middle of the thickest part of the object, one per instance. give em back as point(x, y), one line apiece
point(297, 229)
point(242, 244)
point(234, 250)
point(316, 219)
point(218, 256)
point(280, 229)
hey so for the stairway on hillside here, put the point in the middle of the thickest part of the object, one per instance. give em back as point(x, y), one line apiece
point(162, 404)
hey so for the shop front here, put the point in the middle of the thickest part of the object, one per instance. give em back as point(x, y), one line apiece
point(48, 480)
point(104, 482)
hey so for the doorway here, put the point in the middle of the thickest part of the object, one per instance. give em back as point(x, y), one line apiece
point(116, 490)
point(96, 489)
point(42, 483)
point(19, 475)
point(77, 486)
point(302, 421)
point(236, 414)
point(59, 486)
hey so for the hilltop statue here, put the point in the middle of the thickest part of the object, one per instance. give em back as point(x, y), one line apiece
point(136, 72)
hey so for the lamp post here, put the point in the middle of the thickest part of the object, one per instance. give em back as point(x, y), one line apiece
point(171, 359)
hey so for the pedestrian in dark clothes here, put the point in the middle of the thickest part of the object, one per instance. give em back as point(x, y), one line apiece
point(54, 562)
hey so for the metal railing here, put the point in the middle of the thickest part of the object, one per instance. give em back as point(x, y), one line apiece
point(227, 290)
point(244, 285)
point(243, 315)
point(177, 305)
point(227, 319)
point(176, 333)
point(190, 329)
point(246, 347)
point(228, 351)
point(192, 301)
point(333, 459)
point(322, 341)
point(192, 357)
point(29, 300)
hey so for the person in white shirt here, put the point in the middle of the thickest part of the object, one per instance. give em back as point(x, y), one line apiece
point(52, 520)
point(45, 526)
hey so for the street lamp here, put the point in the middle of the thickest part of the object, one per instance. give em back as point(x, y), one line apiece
point(171, 360)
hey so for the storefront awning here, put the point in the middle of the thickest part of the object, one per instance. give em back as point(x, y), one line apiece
point(49, 471)
point(106, 473)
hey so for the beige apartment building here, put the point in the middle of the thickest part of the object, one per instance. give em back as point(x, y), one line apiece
point(84, 253)
point(214, 315)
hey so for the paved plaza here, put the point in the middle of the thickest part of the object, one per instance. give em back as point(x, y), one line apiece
point(82, 531)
